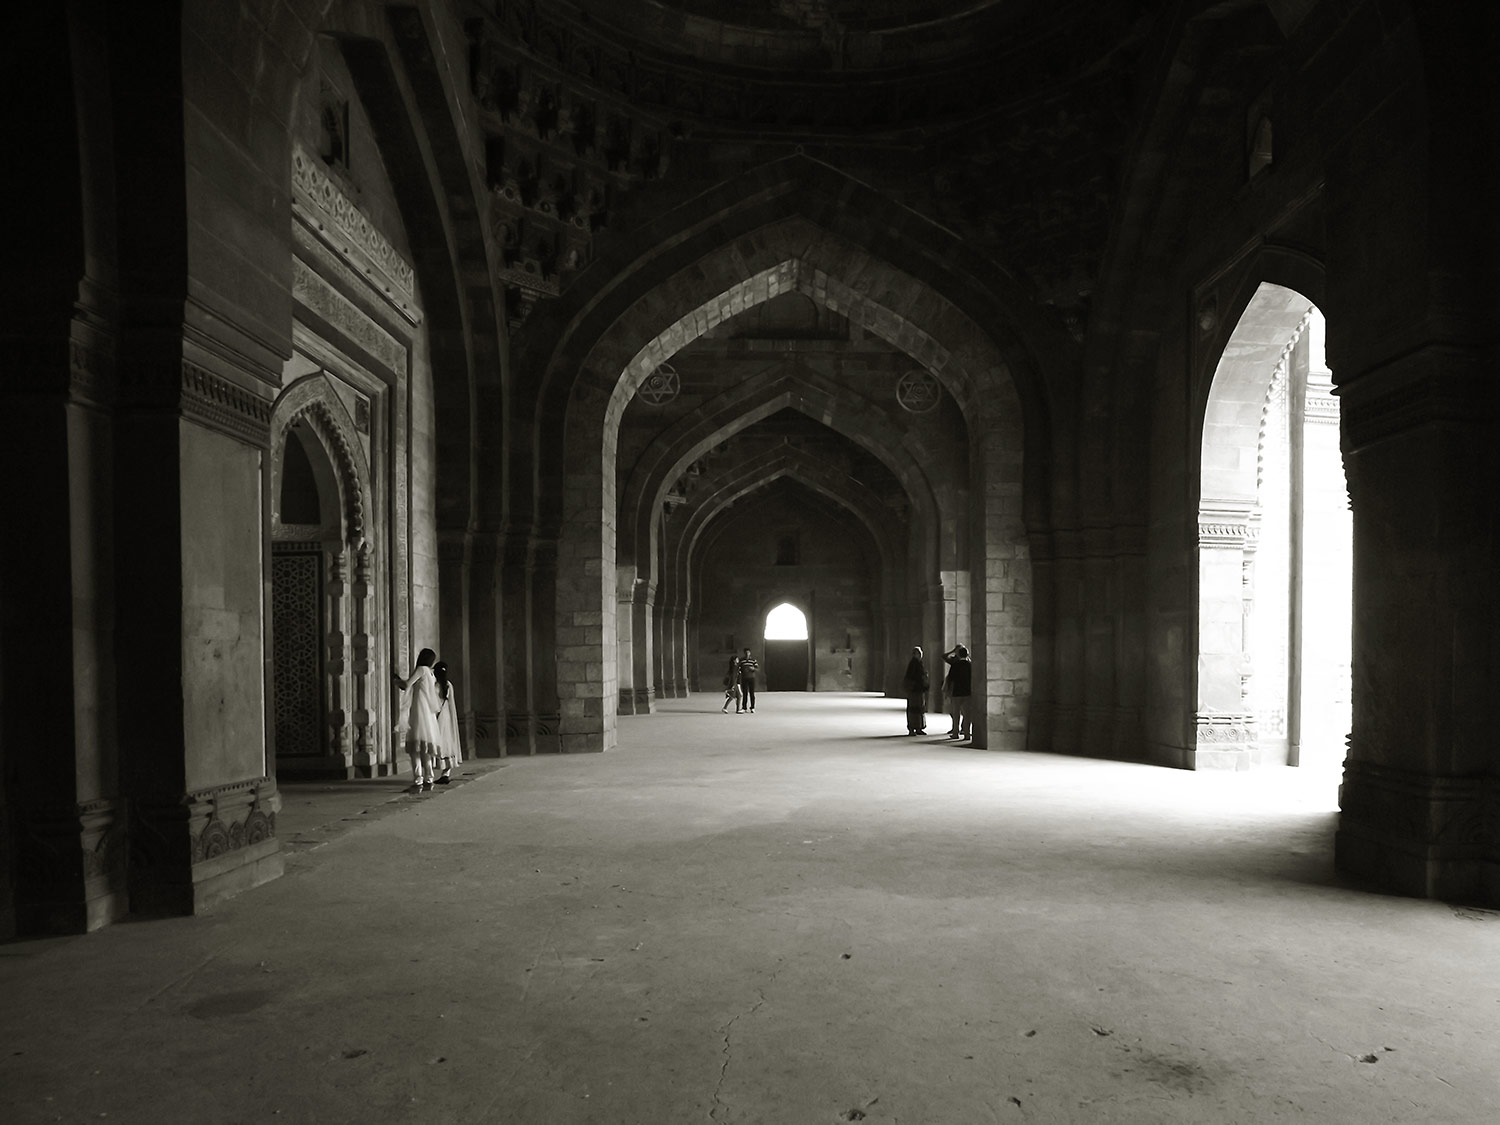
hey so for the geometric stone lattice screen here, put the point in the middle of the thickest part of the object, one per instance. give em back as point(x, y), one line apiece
point(296, 603)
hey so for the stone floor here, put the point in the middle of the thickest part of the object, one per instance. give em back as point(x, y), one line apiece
point(795, 917)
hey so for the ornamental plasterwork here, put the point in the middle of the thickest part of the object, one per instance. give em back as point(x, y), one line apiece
point(319, 202)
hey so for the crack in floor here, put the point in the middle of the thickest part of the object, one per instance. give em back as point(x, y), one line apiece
point(724, 1033)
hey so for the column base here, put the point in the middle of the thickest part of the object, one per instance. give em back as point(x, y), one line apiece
point(71, 874)
point(1224, 742)
point(527, 733)
point(211, 844)
point(1412, 834)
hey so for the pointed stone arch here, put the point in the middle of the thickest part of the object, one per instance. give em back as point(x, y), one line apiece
point(688, 542)
point(792, 256)
point(314, 400)
point(346, 592)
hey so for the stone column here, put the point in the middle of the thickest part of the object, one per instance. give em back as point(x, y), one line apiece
point(1226, 730)
point(624, 609)
point(517, 660)
point(362, 713)
point(339, 752)
point(1420, 796)
point(62, 820)
point(932, 644)
point(643, 658)
point(482, 677)
point(193, 438)
point(683, 672)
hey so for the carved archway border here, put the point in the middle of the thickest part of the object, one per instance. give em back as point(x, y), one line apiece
point(315, 399)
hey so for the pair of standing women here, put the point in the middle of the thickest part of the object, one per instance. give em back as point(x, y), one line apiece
point(428, 722)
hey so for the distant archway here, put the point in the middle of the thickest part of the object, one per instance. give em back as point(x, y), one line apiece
point(787, 646)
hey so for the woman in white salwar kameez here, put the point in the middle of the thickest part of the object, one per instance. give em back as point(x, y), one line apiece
point(418, 723)
point(450, 749)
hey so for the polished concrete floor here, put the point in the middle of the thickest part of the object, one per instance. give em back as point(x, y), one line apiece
point(796, 917)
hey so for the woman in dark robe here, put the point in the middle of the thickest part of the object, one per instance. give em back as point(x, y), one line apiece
point(914, 685)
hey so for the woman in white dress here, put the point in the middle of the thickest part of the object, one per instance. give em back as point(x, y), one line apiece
point(418, 722)
point(450, 749)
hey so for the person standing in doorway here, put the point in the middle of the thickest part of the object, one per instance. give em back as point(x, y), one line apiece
point(958, 685)
point(418, 723)
point(748, 666)
point(450, 750)
point(914, 685)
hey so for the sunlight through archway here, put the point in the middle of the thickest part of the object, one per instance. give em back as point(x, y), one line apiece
point(786, 623)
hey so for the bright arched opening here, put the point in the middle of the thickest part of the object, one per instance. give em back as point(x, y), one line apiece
point(786, 623)
point(1274, 548)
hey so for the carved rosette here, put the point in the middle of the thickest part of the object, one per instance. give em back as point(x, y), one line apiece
point(1225, 731)
point(231, 817)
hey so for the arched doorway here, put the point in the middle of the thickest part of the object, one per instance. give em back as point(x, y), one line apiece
point(327, 678)
point(1274, 548)
point(787, 648)
point(306, 523)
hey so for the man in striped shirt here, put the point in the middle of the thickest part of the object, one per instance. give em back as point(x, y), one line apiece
point(748, 666)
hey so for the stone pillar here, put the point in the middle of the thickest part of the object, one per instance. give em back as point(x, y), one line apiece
point(1420, 796)
point(62, 822)
point(335, 665)
point(643, 658)
point(1068, 592)
point(1226, 730)
point(518, 663)
point(362, 712)
point(932, 644)
point(193, 737)
point(482, 677)
point(543, 718)
point(683, 673)
point(455, 578)
point(624, 609)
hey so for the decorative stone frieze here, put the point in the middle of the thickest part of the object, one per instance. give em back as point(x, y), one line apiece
point(230, 817)
point(323, 207)
point(220, 405)
point(1227, 731)
point(1227, 524)
point(345, 316)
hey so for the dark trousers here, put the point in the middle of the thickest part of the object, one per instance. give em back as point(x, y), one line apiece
point(916, 710)
point(747, 694)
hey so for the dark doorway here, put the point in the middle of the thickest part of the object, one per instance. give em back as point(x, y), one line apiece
point(786, 665)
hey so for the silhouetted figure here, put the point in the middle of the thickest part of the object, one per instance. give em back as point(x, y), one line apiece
point(914, 685)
